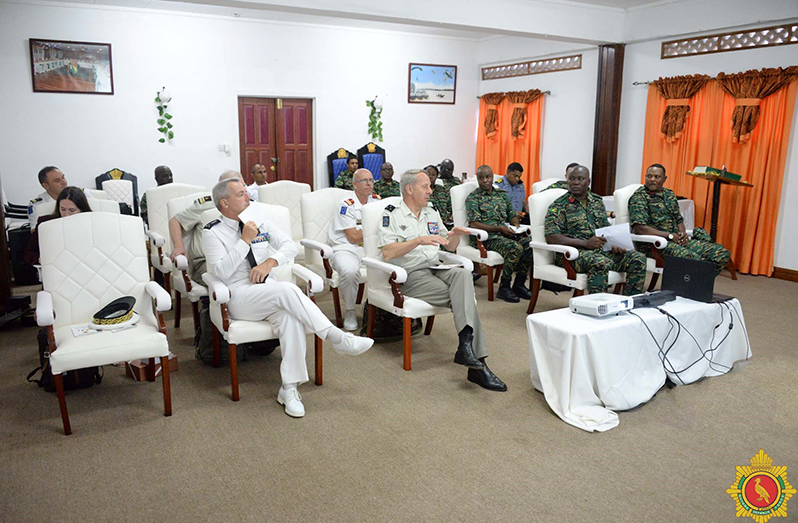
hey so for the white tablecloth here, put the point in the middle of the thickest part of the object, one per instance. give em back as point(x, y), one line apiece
point(687, 208)
point(589, 367)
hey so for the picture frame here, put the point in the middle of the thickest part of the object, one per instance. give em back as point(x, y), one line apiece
point(64, 66)
point(431, 84)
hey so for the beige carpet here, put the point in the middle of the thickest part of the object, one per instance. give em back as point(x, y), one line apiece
point(381, 444)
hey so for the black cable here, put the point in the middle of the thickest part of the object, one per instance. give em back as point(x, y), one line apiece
point(698, 345)
point(663, 355)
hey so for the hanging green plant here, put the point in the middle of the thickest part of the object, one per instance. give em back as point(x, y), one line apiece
point(165, 126)
point(375, 125)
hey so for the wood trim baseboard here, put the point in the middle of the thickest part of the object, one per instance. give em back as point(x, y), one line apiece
point(785, 274)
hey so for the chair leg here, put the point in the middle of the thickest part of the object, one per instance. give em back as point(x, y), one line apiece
point(406, 332)
point(730, 267)
point(372, 319)
point(490, 282)
point(534, 299)
point(195, 314)
point(619, 288)
point(578, 292)
point(428, 328)
point(150, 370)
point(178, 303)
point(216, 348)
point(234, 371)
point(167, 386)
point(360, 290)
point(498, 272)
point(59, 389)
point(167, 284)
point(339, 320)
point(319, 363)
point(654, 280)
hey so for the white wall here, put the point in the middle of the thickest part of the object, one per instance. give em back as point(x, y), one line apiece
point(206, 62)
point(643, 63)
point(569, 111)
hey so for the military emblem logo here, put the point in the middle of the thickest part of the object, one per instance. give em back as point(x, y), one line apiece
point(761, 490)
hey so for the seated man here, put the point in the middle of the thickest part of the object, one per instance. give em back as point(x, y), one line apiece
point(654, 210)
point(346, 237)
point(345, 177)
point(440, 197)
point(563, 184)
point(489, 209)
point(163, 176)
point(447, 175)
point(511, 184)
point(259, 175)
point(386, 186)
point(239, 254)
point(53, 181)
point(411, 236)
point(572, 219)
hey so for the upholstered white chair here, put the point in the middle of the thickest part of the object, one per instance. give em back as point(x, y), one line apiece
point(89, 260)
point(120, 191)
point(543, 265)
point(384, 282)
point(473, 249)
point(45, 208)
point(656, 262)
point(318, 209)
point(235, 331)
point(96, 194)
point(542, 184)
point(287, 194)
point(158, 221)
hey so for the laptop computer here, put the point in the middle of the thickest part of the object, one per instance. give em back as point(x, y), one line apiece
point(694, 279)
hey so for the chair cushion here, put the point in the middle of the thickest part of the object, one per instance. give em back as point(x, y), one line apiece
point(119, 191)
point(287, 194)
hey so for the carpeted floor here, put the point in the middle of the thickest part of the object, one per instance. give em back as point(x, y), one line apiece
point(381, 444)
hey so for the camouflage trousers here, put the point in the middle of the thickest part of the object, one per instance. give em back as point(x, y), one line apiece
point(700, 247)
point(516, 253)
point(597, 264)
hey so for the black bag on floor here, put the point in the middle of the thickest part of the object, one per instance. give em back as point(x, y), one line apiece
point(73, 379)
point(554, 287)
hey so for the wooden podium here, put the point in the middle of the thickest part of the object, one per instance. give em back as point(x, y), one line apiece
point(717, 181)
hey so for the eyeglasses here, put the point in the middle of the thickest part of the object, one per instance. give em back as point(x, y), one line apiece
point(365, 180)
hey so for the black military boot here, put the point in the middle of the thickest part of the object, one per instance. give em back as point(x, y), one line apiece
point(465, 350)
point(485, 378)
point(520, 289)
point(506, 293)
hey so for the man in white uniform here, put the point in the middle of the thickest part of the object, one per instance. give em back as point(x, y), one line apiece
point(346, 237)
point(53, 181)
point(259, 175)
point(242, 255)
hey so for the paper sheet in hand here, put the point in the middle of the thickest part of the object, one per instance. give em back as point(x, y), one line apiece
point(617, 236)
point(252, 214)
point(443, 266)
point(521, 229)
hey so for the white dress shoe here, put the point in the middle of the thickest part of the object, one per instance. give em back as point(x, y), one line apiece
point(350, 321)
point(353, 345)
point(292, 401)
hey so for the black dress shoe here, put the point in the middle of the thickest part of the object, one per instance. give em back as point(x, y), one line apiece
point(486, 379)
point(507, 294)
point(521, 291)
point(465, 350)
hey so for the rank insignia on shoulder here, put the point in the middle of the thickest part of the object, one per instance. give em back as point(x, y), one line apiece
point(212, 223)
point(349, 201)
point(389, 208)
point(376, 196)
point(343, 209)
point(386, 221)
point(204, 199)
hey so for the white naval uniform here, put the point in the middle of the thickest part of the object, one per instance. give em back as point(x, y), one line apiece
point(346, 255)
point(252, 191)
point(281, 303)
point(42, 198)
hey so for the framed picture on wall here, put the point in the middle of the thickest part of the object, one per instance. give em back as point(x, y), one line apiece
point(60, 66)
point(431, 84)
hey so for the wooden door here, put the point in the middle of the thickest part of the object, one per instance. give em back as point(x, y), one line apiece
point(277, 132)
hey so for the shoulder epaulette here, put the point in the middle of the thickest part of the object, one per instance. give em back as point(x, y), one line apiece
point(204, 199)
point(389, 208)
point(376, 196)
point(212, 223)
point(349, 201)
point(36, 200)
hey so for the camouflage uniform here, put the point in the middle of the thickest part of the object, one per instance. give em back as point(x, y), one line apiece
point(661, 211)
point(494, 208)
point(385, 189)
point(448, 183)
point(344, 180)
point(143, 209)
point(568, 216)
point(559, 184)
point(442, 201)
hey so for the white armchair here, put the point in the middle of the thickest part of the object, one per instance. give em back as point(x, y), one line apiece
point(120, 191)
point(384, 288)
point(544, 267)
point(287, 194)
point(235, 331)
point(89, 260)
point(158, 222)
point(318, 210)
point(477, 253)
point(542, 184)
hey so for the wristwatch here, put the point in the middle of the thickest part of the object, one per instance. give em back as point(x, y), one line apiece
point(670, 236)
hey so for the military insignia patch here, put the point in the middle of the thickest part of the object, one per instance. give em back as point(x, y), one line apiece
point(343, 209)
point(386, 221)
point(432, 227)
point(204, 199)
point(403, 227)
point(761, 490)
point(389, 208)
point(212, 223)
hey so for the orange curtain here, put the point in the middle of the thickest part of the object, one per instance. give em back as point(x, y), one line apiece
point(747, 219)
point(677, 90)
point(501, 149)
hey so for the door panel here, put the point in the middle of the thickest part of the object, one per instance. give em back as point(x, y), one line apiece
point(295, 142)
point(256, 134)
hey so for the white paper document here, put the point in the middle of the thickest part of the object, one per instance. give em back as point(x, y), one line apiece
point(252, 214)
point(617, 236)
point(521, 229)
point(443, 266)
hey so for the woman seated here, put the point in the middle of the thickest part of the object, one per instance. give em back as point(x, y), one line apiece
point(70, 201)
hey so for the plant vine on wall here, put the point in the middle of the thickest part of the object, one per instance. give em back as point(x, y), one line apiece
point(375, 123)
point(165, 126)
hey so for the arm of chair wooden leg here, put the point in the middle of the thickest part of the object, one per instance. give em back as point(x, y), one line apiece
point(398, 297)
point(481, 235)
point(657, 243)
point(483, 252)
point(181, 263)
point(225, 317)
point(396, 276)
point(569, 254)
point(569, 269)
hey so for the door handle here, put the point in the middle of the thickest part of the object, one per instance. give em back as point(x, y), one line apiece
point(272, 167)
point(275, 160)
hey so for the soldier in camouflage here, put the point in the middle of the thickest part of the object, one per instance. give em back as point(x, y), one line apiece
point(654, 210)
point(386, 186)
point(345, 177)
point(490, 209)
point(562, 184)
point(447, 175)
point(440, 198)
point(572, 220)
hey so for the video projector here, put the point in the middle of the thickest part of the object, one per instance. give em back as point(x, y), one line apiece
point(601, 304)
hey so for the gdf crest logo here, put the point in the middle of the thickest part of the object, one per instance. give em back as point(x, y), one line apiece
point(761, 490)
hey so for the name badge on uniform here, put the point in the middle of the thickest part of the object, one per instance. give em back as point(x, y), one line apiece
point(260, 238)
point(432, 227)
